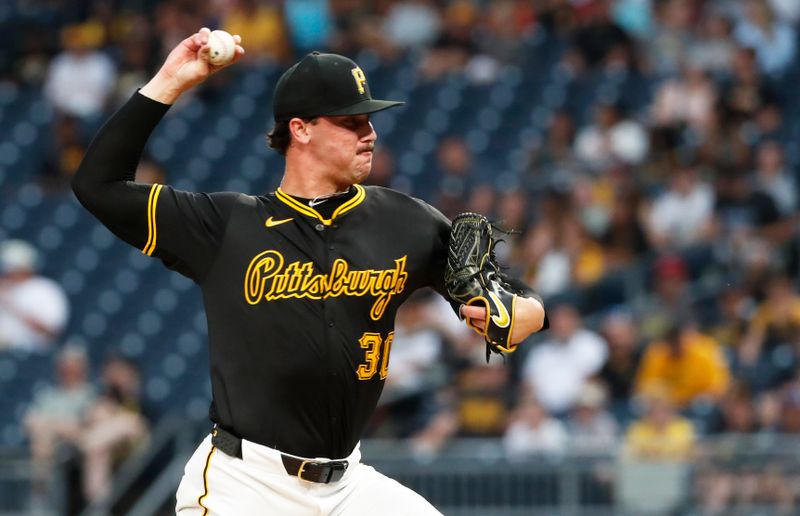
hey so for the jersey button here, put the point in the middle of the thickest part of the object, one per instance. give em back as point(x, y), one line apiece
point(330, 324)
point(331, 248)
point(319, 227)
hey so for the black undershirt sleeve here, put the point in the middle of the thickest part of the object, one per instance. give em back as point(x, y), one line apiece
point(183, 229)
point(104, 181)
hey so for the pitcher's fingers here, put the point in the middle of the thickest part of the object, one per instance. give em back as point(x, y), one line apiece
point(237, 38)
point(195, 41)
point(480, 324)
point(238, 54)
point(474, 311)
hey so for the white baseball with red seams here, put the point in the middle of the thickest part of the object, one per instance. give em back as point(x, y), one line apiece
point(222, 48)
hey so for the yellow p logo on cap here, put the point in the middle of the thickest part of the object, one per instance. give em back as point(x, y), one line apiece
point(361, 80)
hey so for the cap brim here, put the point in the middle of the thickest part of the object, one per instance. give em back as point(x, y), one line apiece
point(364, 107)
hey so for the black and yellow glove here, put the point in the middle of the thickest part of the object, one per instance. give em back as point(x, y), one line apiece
point(472, 277)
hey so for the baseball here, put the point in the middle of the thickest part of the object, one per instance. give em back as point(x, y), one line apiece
point(222, 48)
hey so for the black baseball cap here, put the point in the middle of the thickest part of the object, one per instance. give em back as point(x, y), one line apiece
point(324, 85)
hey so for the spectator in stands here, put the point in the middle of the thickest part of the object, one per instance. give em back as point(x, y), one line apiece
point(734, 308)
point(423, 325)
point(513, 211)
point(383, 168)
point(412, 23)
point(776, 322)
point(548, 266)
point(476, 405)
point(610, 212)
point(554, 154)
point(173, 19)
point(672, 36)
point(713, 47)
point(513, 214)
point(27, 55)
point(33, 309)
point(56, 414)
point(744, 93)
point(667, 299)
point(738, 483)
point(598, 41)
point(454, 158)
point(556, 370)
point(557, 17)
point(737, 411)
point(745, 216)
point(774, 40)
point(611, 139)
point(687, 100)
point(769, 124)
point(64, 153)
point(724, 146)
point(681, 216)
point(455, 170)
point(454, 46)
point(593, 196)
point(505, 24)
point(309, 23)
point(482, 198)
point(773, 178)
point(661, 434)
point(624, 239)
point(484, 398)
point(593, 440)
point(262, 26)
point(789, 398)
point(635, 17)
point(81, 78)
point(618, 373)
point(533, 432)
point(134, 70)
point(786, 10)
point(559, 250)
point(687, 365)
point(592, 429)
point(359, 26)
point(115, 426)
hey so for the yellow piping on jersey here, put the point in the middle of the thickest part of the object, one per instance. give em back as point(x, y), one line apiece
point(205, 481)
point(311, 212)
point(152, 231)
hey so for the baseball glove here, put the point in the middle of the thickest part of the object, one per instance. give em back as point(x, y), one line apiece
point(472, 277)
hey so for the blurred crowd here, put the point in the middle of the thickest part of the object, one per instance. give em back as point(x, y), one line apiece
point(88, 429)
point(662, 238)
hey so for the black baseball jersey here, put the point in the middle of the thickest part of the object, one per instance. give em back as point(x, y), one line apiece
point(300, 303)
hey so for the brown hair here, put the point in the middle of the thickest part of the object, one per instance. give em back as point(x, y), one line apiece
point(280, 137)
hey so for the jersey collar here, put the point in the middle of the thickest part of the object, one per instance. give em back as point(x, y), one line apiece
point(296, 205)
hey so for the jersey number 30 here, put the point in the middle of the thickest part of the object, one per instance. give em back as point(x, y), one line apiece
point(377, 352)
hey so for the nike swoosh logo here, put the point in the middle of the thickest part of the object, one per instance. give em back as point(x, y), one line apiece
point(272, 223)
point(502, 319)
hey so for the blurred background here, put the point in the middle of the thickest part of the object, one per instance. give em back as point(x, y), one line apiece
point(644, 151)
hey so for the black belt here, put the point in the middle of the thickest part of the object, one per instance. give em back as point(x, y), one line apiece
point(305, 469)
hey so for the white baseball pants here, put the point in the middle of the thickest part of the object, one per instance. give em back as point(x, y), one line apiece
point(215, 484)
